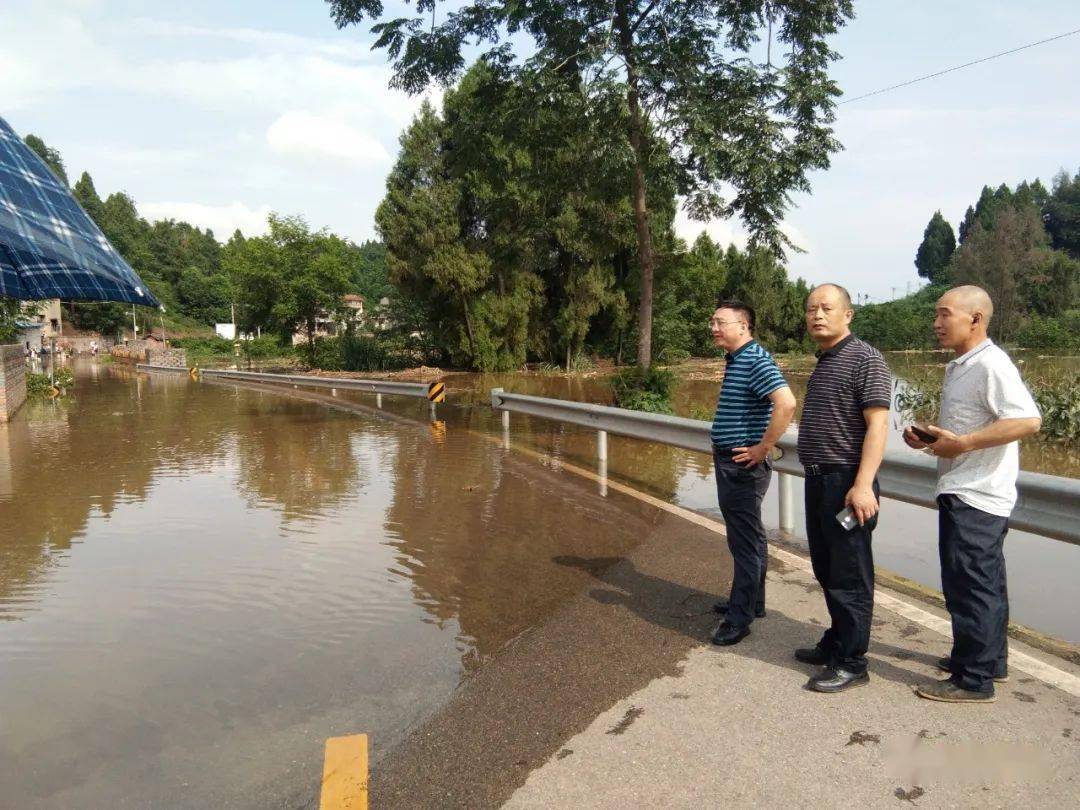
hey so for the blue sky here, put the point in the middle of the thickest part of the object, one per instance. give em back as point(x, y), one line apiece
point(221, 112)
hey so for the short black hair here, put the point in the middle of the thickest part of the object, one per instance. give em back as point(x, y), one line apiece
point(745, 310)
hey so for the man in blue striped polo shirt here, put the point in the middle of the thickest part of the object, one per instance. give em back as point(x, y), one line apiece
point(753, 411)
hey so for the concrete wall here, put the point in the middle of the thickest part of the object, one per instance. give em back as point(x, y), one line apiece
point(12, 380)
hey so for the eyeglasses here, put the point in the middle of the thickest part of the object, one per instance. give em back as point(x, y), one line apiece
point(714, 322)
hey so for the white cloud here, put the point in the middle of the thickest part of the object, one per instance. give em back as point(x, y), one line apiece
point(729, 231)
point(722, 231)
point(312, 136)
point(221, 219)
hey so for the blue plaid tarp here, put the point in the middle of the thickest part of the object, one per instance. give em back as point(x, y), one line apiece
point(49, 247)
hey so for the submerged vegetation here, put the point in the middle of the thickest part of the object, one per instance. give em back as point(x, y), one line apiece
point(1058, 400)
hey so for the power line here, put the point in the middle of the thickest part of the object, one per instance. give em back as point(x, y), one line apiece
point(959, 67)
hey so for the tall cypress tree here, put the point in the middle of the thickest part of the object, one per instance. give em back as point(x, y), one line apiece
point(937, 248)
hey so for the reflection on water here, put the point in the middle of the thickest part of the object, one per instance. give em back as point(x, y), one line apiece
point(696, 398)
point(906, 539)
point(202, 582)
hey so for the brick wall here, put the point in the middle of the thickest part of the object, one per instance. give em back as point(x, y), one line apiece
point(12, 380)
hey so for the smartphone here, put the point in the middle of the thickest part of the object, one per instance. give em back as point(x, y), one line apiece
point(847, 519)
point(923, 435)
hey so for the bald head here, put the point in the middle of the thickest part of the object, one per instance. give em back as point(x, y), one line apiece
point(969, 299)
point(961, 317)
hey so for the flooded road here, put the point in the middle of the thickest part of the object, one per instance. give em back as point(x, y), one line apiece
point(905, 541)
point(200, 583)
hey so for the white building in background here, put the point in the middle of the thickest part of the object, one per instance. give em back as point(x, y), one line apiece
point(45, 315)
point(327, 326)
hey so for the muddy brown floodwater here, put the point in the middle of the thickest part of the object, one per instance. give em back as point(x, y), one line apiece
point(200, 583)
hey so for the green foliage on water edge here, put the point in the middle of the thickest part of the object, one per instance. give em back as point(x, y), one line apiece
point(200, 351)
point(641, 389)
point(1059, 403)
point(39, 386)
point(9, 311)
point(1061, 333)
point(1058, 400)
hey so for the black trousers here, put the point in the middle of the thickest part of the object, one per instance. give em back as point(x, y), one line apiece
point(971, 543)
point(844, 566)
point(740, 492)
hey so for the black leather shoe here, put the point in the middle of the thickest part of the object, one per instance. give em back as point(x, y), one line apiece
point(813, 655)
point(728, 634)
point(721, 607)
point(834, 679)
point(945, 665)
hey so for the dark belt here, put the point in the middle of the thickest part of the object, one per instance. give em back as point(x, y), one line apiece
point(812, 470)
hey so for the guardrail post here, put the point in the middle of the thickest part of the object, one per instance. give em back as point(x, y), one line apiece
point(333, 392)
point(787, 502)
point(378, 400)
point(601, 471)
point(601, 445)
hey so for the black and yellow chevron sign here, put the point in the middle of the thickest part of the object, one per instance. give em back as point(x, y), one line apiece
point(436, 392)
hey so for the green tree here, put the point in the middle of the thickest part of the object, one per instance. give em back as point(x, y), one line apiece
point(418, 220)
point(999, 259)
point(100, 316)
point(734, 122)
point(204, 296)
point(935, 252)
point(689, 290)
point(50, 156)
point(370, 277)
point(756, 277)
point(9, 312)
point(1062, 214)
point(86, 195)
point(288, 279)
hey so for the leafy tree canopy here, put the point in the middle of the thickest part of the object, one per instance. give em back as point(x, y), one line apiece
point(742, 133)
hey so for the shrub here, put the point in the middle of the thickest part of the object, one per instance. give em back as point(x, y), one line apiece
point(38, 385)
point(644, 389)
point(1062, 332)
point(325, 354)
point(365, 353)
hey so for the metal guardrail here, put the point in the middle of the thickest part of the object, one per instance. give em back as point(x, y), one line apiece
point(152, 367)
point(1048, 505)
point(377, 387)
point(403, 389)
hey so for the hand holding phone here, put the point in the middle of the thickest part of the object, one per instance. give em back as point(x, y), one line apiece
point(847, 518)
point(923, 434)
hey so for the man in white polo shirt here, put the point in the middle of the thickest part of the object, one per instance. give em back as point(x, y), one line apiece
point(985, 410)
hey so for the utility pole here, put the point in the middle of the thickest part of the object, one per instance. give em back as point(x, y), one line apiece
point(134, 326)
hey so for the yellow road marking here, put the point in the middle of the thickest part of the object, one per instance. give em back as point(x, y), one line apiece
point(345, 774)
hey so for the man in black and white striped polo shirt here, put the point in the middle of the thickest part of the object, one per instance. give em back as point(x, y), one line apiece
point(841, 444)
